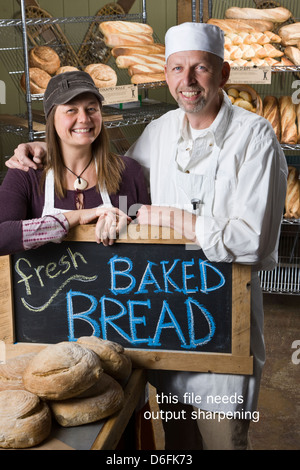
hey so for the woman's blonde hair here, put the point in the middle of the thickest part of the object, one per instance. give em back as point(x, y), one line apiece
point(109, 165)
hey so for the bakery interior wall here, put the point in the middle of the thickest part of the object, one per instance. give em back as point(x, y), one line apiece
point(161, 14)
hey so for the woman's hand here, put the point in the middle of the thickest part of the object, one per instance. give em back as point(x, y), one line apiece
point(29, 155)
point(110, 221)
point(183, 222)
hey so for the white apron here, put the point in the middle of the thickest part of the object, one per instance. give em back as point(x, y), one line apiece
point(202, 187)
point(49, 208)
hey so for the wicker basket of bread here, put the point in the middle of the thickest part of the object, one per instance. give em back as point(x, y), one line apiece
point(244, 96)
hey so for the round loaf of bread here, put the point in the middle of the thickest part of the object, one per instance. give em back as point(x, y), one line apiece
point(105, 398)
point(103, 75)
point(66, 68)
point(25, 420)
point(45, 58)
point(12, 371)
point(62, 371)
point(38, 80)
point(113, 358)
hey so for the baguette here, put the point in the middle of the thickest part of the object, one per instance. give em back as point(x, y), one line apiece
point(116, 39)
point(293, 53)
point(287, 110)
point(124, 61)
point(149, 68)
point(139, 78)
point(247, 52)
point(242, 25)
point(290, 34)
point(276, 15)
point(132, 50)
point(292, 200)
point(298, 121)
point(120, 27)
point(271, 113)
point(255, 37)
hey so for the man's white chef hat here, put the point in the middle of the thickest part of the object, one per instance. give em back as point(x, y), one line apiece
point(194, 37)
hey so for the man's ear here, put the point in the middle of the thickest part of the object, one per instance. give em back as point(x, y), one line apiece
point(225, 73)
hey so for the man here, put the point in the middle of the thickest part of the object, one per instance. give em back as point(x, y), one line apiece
point(229, 161)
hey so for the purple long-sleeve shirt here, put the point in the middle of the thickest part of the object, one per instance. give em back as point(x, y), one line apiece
point(22, 199)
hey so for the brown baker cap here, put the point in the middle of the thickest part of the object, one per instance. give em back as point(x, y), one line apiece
point(64, 87)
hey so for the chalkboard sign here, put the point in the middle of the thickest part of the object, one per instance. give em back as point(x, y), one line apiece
point(165, 304)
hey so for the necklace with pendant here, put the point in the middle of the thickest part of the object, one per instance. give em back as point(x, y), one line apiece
point(80, 184)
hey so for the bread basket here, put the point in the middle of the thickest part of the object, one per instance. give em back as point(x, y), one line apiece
point(256, 100)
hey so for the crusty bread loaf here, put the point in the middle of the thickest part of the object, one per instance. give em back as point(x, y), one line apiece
point(142, 49)
point(25, 420)
point(114, 360)
point(66, 68)
point(103, 75)
point(276, 15)
point(292, 200)
point(272, 114)
point(124, 27)
point(45, 58)
point(124, 61)
point(105, 398)
point(119, 39)
point(140, 78)
point(290, 34)
point(288, 120)
point(242, 25)
point(11, 372)
point(62, 371)
point(293, 53)
point(38, 80)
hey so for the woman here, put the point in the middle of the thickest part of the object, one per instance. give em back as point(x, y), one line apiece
point(82, 182)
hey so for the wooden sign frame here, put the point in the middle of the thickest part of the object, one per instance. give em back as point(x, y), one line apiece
point(239, 361)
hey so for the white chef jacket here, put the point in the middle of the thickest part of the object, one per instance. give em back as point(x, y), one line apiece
point(237, 169)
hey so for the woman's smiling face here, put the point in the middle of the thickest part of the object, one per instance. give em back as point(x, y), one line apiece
point(79, 122)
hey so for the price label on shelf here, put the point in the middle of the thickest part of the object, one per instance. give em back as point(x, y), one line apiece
point(119, 94)
point(250, 75)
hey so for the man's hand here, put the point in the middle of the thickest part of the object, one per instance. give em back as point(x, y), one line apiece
point(29, 155)
point(181, 221)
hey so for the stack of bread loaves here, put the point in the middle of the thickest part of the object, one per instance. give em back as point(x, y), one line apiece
point(77, 383)
point(249, 37)
point(134, 49)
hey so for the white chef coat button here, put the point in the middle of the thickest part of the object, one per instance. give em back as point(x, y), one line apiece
point(187, 171)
